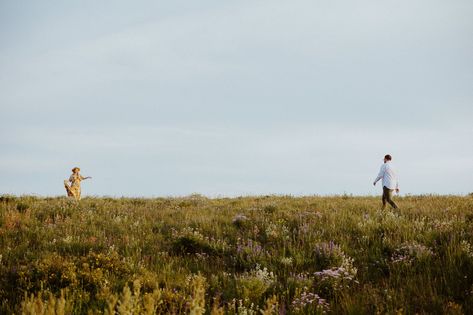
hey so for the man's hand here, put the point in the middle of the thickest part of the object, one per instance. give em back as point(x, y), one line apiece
point(374, 183)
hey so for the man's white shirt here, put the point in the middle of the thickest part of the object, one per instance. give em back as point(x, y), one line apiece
point(387, 174)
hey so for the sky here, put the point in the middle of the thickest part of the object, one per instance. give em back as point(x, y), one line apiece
point(230, 98)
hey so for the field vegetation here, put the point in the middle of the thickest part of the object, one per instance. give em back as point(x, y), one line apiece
point(248, 255)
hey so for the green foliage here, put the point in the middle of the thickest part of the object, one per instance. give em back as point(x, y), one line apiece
point(247, 255)
point(252, 285)
point(22, 207)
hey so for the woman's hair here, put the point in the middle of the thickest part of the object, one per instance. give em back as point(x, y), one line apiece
point(388, 157)
point(75, 168)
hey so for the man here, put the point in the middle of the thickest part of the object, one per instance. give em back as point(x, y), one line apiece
point(386, 173)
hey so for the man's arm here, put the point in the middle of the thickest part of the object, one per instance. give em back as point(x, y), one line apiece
point(85, 177)
point(380, 175)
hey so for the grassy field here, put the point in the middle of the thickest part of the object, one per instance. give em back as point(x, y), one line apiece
point(251, 255)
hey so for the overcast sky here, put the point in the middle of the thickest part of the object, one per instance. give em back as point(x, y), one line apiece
point(225, 98)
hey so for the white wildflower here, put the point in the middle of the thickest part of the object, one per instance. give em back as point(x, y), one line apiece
point(286, 261)
point(239, 219)
point(410, 252)
point(466, 248)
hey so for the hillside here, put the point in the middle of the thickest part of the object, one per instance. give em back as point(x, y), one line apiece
point(297, 255)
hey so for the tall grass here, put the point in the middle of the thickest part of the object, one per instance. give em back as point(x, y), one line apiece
point(248, 255)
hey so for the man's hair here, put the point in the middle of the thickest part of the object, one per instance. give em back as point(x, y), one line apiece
point(388, 157)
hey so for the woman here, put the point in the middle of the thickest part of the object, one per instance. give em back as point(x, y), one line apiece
point(74, 189)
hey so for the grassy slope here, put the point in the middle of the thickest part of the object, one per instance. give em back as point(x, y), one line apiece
point(415, 260)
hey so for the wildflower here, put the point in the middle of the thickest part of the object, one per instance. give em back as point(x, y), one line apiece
point(286, 261)
point(303, 276)
point(272, 230)
point(239, 220)
point(304, 228)
point(264, 274)
point(309, 300)
point(409, 252)
point(255, 283)
point(249, 247)
point(338, 277)
point(328, 254)
point(201, 256)
point(242, 307)
point(327, 249)
point(466, 248)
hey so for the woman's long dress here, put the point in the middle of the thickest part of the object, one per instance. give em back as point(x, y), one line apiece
point(74, 189)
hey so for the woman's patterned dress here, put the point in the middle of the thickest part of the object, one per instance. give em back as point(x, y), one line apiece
point(74, 189)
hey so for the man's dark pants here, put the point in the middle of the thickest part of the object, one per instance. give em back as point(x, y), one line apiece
point(387, 197)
